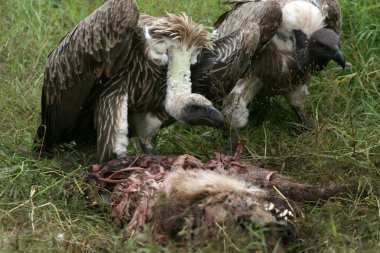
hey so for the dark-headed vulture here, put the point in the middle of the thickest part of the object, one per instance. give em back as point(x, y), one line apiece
point(303, 43)
point(117, 62)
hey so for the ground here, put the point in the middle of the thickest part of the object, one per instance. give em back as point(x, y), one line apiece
point(39, 212)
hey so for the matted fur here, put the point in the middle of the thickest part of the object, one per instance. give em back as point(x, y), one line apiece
point(181, 29)
point(187, 186)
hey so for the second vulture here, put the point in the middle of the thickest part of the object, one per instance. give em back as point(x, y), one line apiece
point(304, 42)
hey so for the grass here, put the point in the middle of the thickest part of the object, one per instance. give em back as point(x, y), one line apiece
point(36, 205)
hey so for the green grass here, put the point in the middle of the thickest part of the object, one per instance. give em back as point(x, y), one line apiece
point(36, 205)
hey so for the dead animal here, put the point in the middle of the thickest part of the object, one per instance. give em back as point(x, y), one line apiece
point(181, 196)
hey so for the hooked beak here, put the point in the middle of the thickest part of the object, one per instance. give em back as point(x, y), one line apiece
point(338, 57)
point(202, 115)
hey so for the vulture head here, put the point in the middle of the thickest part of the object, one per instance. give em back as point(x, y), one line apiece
point(176, 41)
point(313, 43)
point(195, 109)
point(324, 46)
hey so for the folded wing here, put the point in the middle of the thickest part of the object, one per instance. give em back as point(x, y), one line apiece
point(88, 52)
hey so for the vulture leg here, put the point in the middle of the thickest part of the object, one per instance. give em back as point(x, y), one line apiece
point(235, 104)
point(297, 99)
point(112, 124)
point(146, 126)
point(234, 139)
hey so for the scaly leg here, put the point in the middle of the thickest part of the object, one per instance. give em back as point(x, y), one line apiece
point(111, 121)
point(146, 126)
point(235, 105)
point(297, 99)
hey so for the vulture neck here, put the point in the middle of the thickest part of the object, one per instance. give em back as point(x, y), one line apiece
point(178, 79)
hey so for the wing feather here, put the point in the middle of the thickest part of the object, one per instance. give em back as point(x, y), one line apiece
point(244, 31)
point(222, 17)
point(110, 107)
point(219, 68)
point(90, 50)
point(332, 13)
point(266, 14)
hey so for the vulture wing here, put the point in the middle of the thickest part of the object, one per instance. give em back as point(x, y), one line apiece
point(332, 13)
point(225, 64)
point(330, 8)
point(242, 32)
point(87, 53)
point(266, 14)
point(222, 17)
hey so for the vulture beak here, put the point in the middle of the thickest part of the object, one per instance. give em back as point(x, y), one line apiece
point(338, 57)
point(202, 115)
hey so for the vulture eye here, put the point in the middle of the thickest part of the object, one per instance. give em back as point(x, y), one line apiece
point(196, 108)
point(321, 45)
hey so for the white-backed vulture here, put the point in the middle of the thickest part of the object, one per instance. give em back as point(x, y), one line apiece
point(302, 46)
point(116, 62)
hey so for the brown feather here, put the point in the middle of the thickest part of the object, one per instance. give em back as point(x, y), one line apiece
point(80, 58)
point(251, 19)
point(181, 29)
point(333, 15)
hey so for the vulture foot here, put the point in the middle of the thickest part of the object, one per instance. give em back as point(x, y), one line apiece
point(147, 149)
point(306, 122)
point(234, 140)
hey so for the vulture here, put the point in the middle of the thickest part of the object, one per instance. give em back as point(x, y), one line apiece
point(304, 42)
point(118, 66)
